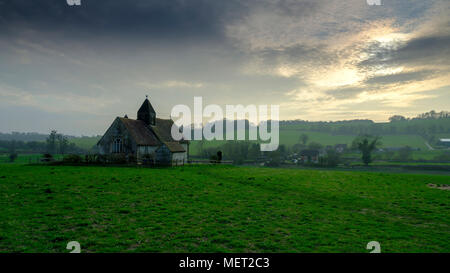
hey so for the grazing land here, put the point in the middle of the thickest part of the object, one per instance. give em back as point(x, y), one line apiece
point(291, 137)
point(219, 209)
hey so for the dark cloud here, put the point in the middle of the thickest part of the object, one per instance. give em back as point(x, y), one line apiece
point(400, 78)
point(425, 50)
point(299, 53)
point(291, 7)
point(152, 19)
point(429, 50)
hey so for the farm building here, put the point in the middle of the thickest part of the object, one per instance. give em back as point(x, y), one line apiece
point(309, 156)
point(340, 148)
point(445, 142)
point(147, 139)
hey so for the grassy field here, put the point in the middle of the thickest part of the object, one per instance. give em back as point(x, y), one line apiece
point(219, 209)
point(85, 142)
point(289, 137)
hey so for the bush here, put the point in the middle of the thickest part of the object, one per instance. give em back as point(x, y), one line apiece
point(12, 157)
point(72, 159)
point(213, 158)
point(101, 159)
point(90, 158)
point(47, 157)
point(332, 159)
point(117, 159)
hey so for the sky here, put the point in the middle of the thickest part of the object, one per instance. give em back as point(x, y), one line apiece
point(75, 68)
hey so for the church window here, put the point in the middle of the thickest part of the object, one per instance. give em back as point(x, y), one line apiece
point(117, 146)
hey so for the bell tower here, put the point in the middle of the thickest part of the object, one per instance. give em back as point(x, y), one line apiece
point(146, 113)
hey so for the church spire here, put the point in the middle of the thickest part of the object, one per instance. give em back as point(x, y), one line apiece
point(146, 113)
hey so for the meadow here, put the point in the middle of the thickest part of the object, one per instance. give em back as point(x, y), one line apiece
point(85, 142)
point(292, 137)
point(213, 208)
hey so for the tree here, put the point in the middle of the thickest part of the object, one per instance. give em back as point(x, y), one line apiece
point(51, 142)
point(366, 144)
point(12, 157)
point(282, 150)
point(297, 148)
point(332, 159)
point(315, 146)
point(254, 152)
point(396, 118)
point(63, 143)
point(12, 151)
point(304, 138)
point(274, 158)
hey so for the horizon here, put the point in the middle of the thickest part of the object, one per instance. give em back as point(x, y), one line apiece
point(212, 121)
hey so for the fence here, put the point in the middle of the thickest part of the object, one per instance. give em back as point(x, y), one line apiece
point(205, 161)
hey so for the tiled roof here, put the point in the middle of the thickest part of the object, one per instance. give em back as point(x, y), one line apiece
point(162, 129)
point(153, 135)
point(174, 147)
point(140, 132)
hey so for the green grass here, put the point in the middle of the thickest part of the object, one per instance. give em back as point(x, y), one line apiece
point(85, 142)
point(219, 209)
point(413, 141)
point(290, 137)
point(381, 163)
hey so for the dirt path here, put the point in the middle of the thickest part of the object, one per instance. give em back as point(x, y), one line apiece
point(429, 146)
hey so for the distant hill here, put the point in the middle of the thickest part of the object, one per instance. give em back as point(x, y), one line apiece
point(84, 142)
point(17, 136)
point(398, 132)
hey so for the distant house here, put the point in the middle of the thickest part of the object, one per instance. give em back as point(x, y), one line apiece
point(445, 142)
point(340, 148)
point(146, 139)
point(309, 156)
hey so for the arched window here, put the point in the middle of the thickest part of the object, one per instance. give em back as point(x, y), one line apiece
point(117, 145)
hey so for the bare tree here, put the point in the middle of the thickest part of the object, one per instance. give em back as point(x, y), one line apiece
point(366, 144)
point(304, 138)
point(51, 142)
point(63, 143)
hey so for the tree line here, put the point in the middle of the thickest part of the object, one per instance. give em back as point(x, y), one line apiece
point(427, 124)
point(54, 144)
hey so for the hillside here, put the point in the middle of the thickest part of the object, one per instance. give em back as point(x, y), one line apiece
point(399, 132)
point(85, 142)
point(219, 209)
point(290, 137)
